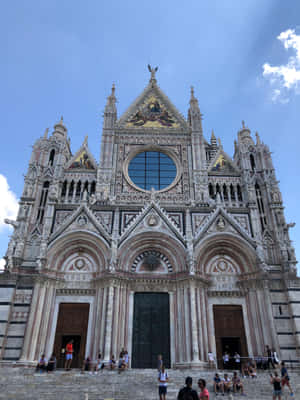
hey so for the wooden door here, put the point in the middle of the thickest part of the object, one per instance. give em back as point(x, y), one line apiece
point(72, 324)
point(229, 331)
point(151, 330)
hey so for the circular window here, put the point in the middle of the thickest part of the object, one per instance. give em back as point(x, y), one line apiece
point(152, 169)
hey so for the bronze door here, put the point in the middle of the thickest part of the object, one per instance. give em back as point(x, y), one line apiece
point(151, 330)
point(230, 332)
point(72, 324)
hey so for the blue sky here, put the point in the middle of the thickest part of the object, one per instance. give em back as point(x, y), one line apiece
point(61, 58)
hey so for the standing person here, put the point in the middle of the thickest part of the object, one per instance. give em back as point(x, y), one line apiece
point(69, 355)
point(187, 392)
point(163, 383)
point(275, 357)
point(159, 362)
point(276, 382)
point(204, 395)
point(285, 379)
point(211, 360)
point(237, 360)
point(269, 356)
point(226, 359)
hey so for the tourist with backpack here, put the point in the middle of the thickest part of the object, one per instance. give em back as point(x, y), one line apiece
point(187, 392)
point(163, 383)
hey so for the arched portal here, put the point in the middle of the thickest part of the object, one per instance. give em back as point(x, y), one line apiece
point(226, 261)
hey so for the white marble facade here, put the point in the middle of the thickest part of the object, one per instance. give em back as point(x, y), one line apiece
point(85, 233)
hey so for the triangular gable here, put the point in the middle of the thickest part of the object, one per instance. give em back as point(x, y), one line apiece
point(221, 222)
point(152, 109)
point(222, 165)
point(152, 217)
point(82, 219)
point(48, 173)
point(83, 159)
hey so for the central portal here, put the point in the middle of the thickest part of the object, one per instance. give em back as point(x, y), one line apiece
point(151, 330)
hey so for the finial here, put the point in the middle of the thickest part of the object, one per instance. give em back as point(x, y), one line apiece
point(212, 135)
point(152, 71)
point(46, 133)
point(61, 119)
point(219, 142)
point(257, 138)
point(243, 124)
point(192, 92)
point(113, 89)
point(86, 140)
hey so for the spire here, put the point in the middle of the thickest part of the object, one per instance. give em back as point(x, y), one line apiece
point(219, 143)
point(244, 134)
point(213, 140)
point(194, 114)
point(110, 111)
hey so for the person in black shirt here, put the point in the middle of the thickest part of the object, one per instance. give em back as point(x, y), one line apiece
point(187, 392)
point(276, 382)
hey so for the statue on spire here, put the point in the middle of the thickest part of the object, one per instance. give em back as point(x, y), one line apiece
point(152, 71)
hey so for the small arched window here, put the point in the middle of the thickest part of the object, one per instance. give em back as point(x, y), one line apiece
point(51, 157)
point(43, 201)
point(64, 189)
point(93, 187)
point(252, 162)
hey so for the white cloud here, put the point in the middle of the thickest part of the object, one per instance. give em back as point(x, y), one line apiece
point(285, 78)
point(2, 264)
point(8, 202)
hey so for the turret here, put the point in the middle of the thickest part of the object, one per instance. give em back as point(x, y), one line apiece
point(110, 111)
point(60, 131)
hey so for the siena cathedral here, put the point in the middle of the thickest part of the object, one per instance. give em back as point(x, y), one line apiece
point(165, 245)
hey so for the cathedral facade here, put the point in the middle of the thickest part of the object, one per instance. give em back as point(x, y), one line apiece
point(167, 245)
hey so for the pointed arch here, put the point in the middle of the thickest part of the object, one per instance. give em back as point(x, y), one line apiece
point(166, 245)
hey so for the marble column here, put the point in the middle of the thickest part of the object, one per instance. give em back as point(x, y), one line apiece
point(108, 328)
point(194, 328)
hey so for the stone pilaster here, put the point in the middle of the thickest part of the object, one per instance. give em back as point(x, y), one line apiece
point(108, 328)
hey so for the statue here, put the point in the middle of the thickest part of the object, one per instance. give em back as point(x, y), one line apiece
point(153, 71)
point(12, 222)
point(92, 199)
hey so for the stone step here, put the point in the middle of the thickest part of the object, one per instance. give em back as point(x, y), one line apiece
point(17, 384)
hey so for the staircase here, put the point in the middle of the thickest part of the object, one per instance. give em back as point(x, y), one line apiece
point(134, 384)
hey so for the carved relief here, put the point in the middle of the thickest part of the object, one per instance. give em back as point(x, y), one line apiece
point(151, 261)
point(106, 218)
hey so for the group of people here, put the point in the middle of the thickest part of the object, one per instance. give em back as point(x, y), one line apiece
point(279, 382)
point(99, 364)
point(45, 365)
point(187, 392)
point(227, 384)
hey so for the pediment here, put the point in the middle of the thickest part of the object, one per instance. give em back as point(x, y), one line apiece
point(222, 222)
point(84, 220)
point(152, 109)
point(82, 159)
point(222, 164)
point(152, 219)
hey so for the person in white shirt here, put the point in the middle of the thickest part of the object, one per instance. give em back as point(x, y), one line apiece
point(163, 383)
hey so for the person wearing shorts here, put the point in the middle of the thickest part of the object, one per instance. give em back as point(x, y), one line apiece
point(237, 384)
point(69, 355)
point(163, 383)
point(285, 379)
point(276, 382)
